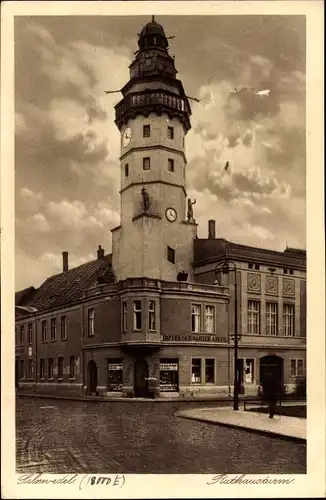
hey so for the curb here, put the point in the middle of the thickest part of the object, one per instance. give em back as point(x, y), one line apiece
point(249, 429)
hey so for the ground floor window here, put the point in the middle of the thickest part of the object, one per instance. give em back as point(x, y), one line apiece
point(203, 371)
point(60, 367)
point(21, 369)
point(72, 370)
point(169, 374)
point(115, 374)
point(50, 368)
point(296, 367)
point(210, 371)
point(196, 371)
point(30, 368)
point(246, 370)
point(42, 369)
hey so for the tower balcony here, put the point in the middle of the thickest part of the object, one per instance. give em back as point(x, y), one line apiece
point(157, 102)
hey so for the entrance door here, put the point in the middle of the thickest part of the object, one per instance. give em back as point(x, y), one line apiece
point(141, 375)
point(272, 366)
point(91, 378)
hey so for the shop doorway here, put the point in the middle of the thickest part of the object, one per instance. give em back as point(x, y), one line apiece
point(141, 378)
point(273, 365)
point(91, 378)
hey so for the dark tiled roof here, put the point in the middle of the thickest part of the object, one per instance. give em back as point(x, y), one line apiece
point(210, 250)
point(23, 295)
point(67, 287)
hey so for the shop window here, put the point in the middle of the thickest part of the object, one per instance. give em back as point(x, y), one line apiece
point(127, 170)
point(124, 316)
point(195, 318)
point(63, 329)
point(151, 316)
point(146, 163)
point(50, 368)
point(60, 368)
point(30, 368)
point(210, 371)
point(21, 334)
point(288, 320)
point(170, 165)
point(137, 315)
point(53, 328)
point(21, 369)
point(44, 330)
point(271, 318)
point(209, 319)
point(30, 333)
point(169, 375)
point(146, 131)
point(72, 367)
point(91, 318)
point(196, 371)
point(170, 133)
point(171, 255)
point(115, 374)
point(42, 369)
point(248, 371)
point(253, 317)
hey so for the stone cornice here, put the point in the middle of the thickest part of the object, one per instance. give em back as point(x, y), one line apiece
point(152, 182)
point(156, 146)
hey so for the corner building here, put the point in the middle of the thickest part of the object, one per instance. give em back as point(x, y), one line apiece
point(155, 313)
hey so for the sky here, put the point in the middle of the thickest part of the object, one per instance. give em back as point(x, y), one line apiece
point(67, 175)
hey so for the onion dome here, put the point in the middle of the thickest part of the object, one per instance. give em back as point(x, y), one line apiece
point(152, 36)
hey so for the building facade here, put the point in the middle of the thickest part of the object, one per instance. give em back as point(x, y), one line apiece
point(155, 316)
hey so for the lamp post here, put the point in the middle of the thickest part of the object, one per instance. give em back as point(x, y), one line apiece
point(226, 267)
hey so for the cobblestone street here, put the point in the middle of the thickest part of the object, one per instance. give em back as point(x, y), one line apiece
point(59, 436)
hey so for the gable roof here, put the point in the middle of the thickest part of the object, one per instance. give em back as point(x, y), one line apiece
point(67, 287)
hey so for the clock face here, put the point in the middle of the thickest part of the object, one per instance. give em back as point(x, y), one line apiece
point(171, 214)
point(126, 137)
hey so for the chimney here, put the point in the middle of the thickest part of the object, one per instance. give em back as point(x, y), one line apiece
point(211, 229)
point(100, 252)
point(64, 262)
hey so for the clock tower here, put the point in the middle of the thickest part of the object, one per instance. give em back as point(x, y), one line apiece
point(155, 237)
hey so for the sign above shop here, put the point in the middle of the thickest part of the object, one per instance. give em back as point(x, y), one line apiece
point(115, 366)
point(169, 366)
point(192, 338)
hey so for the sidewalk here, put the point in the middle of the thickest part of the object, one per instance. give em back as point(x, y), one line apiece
point(288, 427)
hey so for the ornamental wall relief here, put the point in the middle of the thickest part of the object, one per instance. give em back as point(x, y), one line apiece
point(288, 287)
point(254, 282)
point(271, 285)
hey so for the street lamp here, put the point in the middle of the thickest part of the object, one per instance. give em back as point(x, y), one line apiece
point(226, 267)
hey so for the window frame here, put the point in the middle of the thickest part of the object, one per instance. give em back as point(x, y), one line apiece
point(214, 371)
point(72, 368)
point(135, 312)
point(53, 329)
point(146, 128)
point(287, 324)
point(196, 382)
point(30, 369)
point(63, 321)
point(91, 322)
point(60, 367)
point(271, 316)
point(245, 359)
point(170, 133)
point(170, 254)
point(171, 165)
point(21, 369)
point(296, 371)
point(152, 316)
point(206, 306)
point(146, 163)
point(194, 315)
point(44, 331)
point(30, 333)
point(42, 368)
point(127, 170)
point(21, 335)
point(50, 369)
point(124, 314)
point(253, 313)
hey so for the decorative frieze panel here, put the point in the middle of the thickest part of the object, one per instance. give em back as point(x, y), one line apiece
point(271, 285)
point(288, 287)
point(254, 283)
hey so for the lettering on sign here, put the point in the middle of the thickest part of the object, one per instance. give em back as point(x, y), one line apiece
point(115, 367)
point(169, 366)
point(192, 338)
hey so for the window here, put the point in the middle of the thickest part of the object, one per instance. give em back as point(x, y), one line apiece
point(60, 367)
point(257, 267)
point(253, 317)
point(63, 329)
point(285, 271)
point(248, 371)
point(50, 368)
point(42, 369)
point(44, 330)
point(126, 169)
point(209, 319)
point(288, 320)
point(21, 334)
point(169, 375)
point(171, 255)
point(170, 133)
point(151, 315)
point(72, 370)
point(21, 369)
point(170, 165)
point(296, 367)
point(146, 131)
point(124, 316)
point(53, 328)
point(210, 371)
point(250, 266)
point(115, 374)
point(30, 333)
point(137, 315)
point(91, 317)
point(271, 318)
point(195, 317)
point(291, 271)
point(30, 368)
point(196, 371)
point(146, 163)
